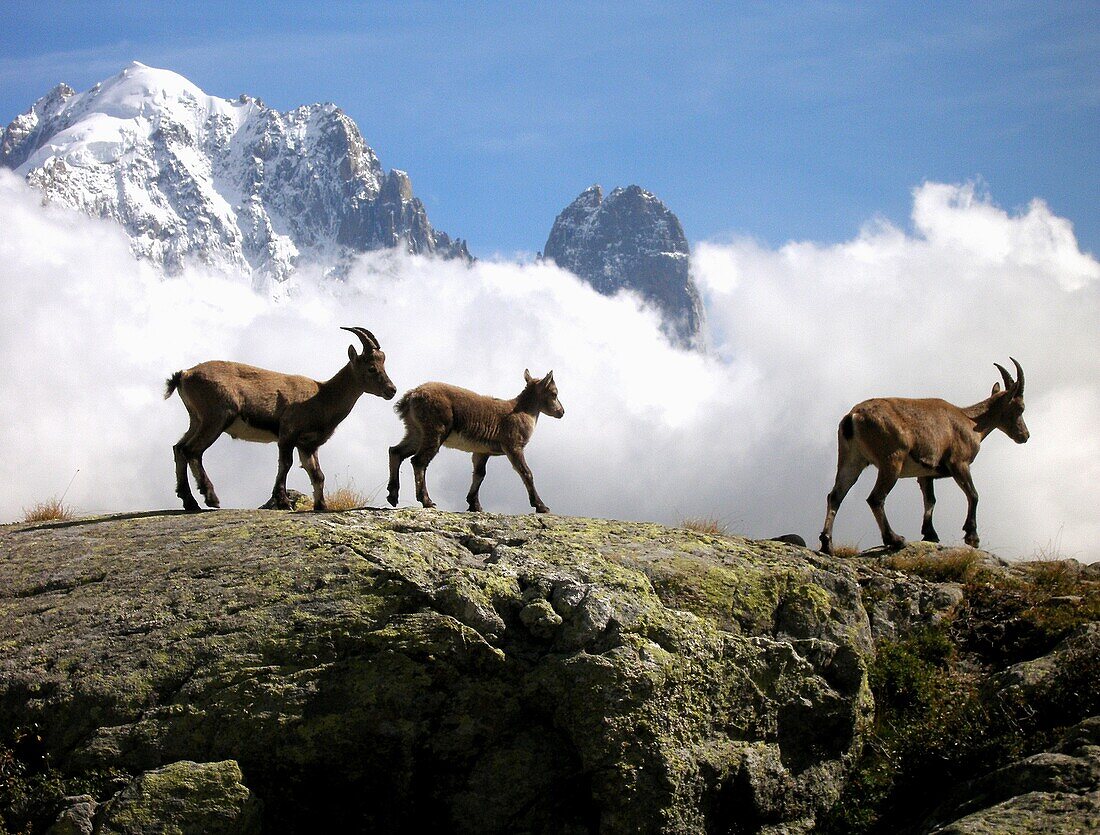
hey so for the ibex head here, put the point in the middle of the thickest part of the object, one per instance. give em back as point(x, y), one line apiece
point(545, 391)
point(1007, 408)
point(370, 366)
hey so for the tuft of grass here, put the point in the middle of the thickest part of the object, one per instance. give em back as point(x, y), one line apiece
point(845, 551)
point(53, 509)
point(958, 565)
point(344, 497)
point(707, 525)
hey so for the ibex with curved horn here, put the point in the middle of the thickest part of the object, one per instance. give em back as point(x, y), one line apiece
point(254, 404)
point(923, 439)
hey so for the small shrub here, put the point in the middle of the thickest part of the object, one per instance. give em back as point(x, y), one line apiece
point(51, 510)
point(31, 789)
point(706, 525)
point(847, 551)
point(934, 726)
point(1016, 617)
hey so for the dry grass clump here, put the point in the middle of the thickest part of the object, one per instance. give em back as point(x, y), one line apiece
point(707, 525)
point(344, 497)
point(957, 565)
point(51, 510)
point(845, 551)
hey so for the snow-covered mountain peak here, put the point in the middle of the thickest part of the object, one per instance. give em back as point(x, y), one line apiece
point(232, 183)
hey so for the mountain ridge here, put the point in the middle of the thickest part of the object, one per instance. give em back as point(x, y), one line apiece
point(234, 184)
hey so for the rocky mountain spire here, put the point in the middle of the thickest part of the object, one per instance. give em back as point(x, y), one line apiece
point(631, 241)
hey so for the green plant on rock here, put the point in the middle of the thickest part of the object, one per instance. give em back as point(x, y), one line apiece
point(1010, 618)
point(31, 789)
point(933, 728)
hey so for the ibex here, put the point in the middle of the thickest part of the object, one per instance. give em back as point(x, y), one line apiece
point(253, 404)
point(922, 439)
point(438, 414)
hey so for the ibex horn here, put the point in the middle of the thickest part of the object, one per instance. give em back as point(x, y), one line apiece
point(1009, 382)
point(366, 337)
point(1019, 378)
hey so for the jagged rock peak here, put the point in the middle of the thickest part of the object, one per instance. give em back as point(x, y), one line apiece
point(631, 241)
point(233, 184)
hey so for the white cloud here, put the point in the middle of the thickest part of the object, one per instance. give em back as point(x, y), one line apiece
point(747, 435)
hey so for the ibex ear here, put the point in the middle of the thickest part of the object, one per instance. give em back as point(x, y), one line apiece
point(549, 378)
point(351, 353)
point(527, 376)
point(996, 389)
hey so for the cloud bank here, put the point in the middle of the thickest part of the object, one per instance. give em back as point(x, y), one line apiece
point(745, 435)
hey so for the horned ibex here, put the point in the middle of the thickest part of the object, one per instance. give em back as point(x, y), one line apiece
point(253, 404)
point(922, 439)
point(438, 414)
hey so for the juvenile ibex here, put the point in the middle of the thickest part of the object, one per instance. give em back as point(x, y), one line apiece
point(253, 404)
point(922, 439)
point(438, 414)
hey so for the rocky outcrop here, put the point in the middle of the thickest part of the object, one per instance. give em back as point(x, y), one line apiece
point(631, 241)
point(232, 184)
point(403, 670)
point(184, 797)
point(377, 670)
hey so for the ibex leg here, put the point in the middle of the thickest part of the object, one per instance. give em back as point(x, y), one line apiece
point(847, 473)
point(279, 499)
point(317, 478)
point(928, 491)
point(970, 526)
point(188, 451)
point(887, 477)
point(183, 489)
point(196, 446)
point(429, 448)
point(398, 453)
point(519, 463)
point(472, 499)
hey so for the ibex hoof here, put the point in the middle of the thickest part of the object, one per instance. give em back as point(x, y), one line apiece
point(931, 537)
point(474, 508)
point(972, 541)
point(191, 506)
point(894, 542)
point(542, 509)
point(213, 503)
point(320, 508)
point(392, 499)
point(428, 504)
point(826, 545)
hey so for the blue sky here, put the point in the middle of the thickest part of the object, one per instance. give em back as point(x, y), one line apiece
point(778, 121)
